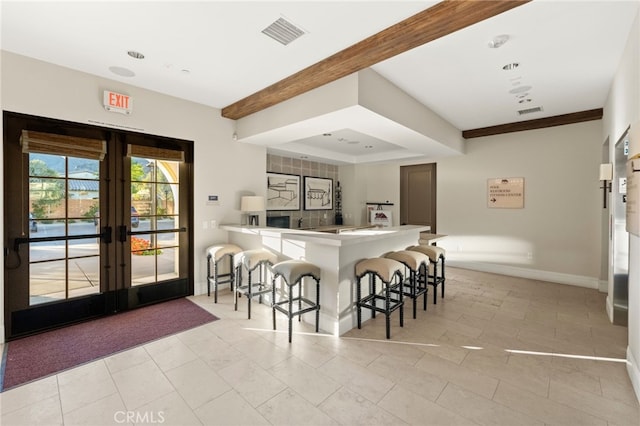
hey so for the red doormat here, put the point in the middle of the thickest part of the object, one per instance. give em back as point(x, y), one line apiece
point(44, 354)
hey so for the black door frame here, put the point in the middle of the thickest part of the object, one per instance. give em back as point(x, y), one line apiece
point(116, 296)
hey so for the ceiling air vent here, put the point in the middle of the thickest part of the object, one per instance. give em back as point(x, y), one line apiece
point(529, 110)
point(283, 31)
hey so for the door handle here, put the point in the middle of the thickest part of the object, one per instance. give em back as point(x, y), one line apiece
point(122, 233)
point(106, 235)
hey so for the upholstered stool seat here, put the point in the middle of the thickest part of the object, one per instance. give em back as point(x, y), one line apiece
point(415, 282)
point(436, 271)
point(293, 272)
point(389, 272)
point(434, 252)
point(260, 260)
point(215, 254)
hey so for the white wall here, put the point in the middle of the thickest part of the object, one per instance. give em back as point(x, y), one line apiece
point(369, 183)
point(556, 236)
point(621, 110)
point(221, 166)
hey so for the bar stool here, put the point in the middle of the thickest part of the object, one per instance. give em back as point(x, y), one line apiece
point(216, 253)
point(415, 282)
point(251, 260)
point(293, 273)
point(436, 257)
point(390, 273)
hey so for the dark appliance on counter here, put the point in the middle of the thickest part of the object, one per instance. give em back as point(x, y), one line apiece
point(278, 221)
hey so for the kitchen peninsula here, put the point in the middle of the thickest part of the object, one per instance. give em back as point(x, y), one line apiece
point(336, 253)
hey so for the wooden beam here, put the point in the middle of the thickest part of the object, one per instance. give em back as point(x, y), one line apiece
point(540, 123)
point(438, 21)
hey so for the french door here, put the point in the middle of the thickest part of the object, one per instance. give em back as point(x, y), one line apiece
point(97, 221)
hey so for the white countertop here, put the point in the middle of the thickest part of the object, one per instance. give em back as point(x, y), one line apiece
point(344, 238)
point(335, 254)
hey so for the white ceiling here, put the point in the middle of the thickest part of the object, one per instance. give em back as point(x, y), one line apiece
point(213, 52)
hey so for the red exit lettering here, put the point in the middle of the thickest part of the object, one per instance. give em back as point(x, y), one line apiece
point(118, 101)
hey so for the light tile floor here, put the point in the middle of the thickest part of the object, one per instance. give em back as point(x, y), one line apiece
point(496, 351)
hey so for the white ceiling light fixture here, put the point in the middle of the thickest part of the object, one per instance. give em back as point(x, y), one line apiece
point(122, 72)
point(498, 41)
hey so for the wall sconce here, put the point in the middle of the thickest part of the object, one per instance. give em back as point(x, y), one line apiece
point(606, 176)
point(252, 204)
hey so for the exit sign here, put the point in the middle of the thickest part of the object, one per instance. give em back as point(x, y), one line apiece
point(117, 102)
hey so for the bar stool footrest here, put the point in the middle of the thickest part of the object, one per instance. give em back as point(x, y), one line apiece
point(407, 287)
point(369, 302)
point(311, 307)
point(256, 290)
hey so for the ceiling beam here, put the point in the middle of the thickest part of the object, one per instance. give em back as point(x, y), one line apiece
point(438, 21)
point(540, 123)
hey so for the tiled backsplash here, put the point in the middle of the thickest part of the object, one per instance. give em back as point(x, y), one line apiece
point(302, 168)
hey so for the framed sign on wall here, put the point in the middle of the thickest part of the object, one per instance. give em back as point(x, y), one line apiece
point(505, 193)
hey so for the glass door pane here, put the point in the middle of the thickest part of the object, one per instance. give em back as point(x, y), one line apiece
point(154, 220)
point(63, 199)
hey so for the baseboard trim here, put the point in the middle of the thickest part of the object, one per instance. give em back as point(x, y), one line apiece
point(609, 306)
point(535, 274)
point(603, 286)
point(634, 373)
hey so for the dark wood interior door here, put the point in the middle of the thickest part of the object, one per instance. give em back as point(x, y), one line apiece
point(418, 195)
